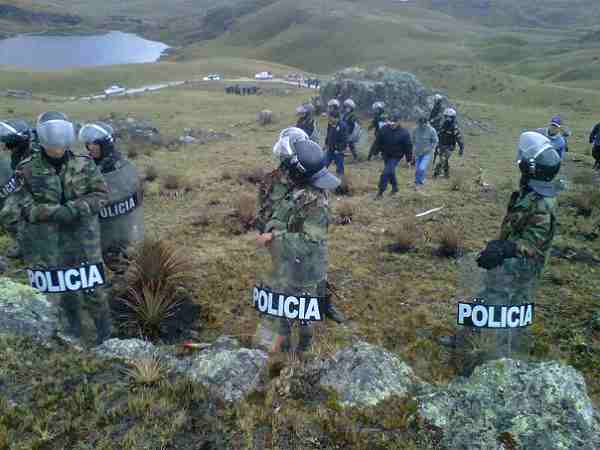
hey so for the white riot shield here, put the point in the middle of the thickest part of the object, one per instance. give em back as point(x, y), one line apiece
point(494, 310)
point(7, 182)
point(122, 220)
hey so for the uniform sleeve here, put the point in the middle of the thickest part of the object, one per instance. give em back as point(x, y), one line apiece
point(594, 133)
point(96, 196)
point(309, 225)
point(534, 229)
point(435, 140)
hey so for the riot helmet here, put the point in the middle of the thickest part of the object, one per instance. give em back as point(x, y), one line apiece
point(99, 134)
point(349, 104)
point(438, 98)
point(378, 107)
point(555, 126)
point(305, 110)
point(15, 133)
point(56, 133)
point(449, 115)
point(333, 104)
point(539, 162)
point(304, 160)
point(51, 115)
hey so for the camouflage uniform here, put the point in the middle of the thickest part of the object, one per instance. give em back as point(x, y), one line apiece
point(351, 122)
point(376, 124)
point(47, 244)
point(436, 117)
point(298, 217)
point(449, 137)
point(307, 124)
point(114, 161)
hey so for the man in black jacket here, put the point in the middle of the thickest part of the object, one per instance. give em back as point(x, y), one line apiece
point(394, 142)
point(595, 141)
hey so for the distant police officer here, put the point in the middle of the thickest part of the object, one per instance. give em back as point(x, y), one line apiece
point(449, 137)
point(530, 223)
point(379, 119)
point(15, 134)
point(293, 220)
point(351, 121)
point(60, 198)
point(337, 137)
point(554, 132)
point(595, 141)
point(306, 121)
point(99, 141)
point(394, 142)
point(436, 117)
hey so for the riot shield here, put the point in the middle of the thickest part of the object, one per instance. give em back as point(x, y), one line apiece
point(290, 294)
point(6, 176)
point(122, 220)
point(494, 311)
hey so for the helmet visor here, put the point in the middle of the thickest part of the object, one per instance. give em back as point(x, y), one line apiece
point(56, 134)
point(93, 132)
point(283, 148)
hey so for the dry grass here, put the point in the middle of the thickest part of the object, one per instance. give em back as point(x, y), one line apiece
point(405, 235)
point(346, 187)
point(451, 240)
point(345, 211)
point(583, 203)
point(146, 372)
point(226, 175)
point(254, 175)
point(245, 210)
point(132, 153)
point(458, 181)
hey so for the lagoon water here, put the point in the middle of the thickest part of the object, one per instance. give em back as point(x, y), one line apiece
point(42, 52)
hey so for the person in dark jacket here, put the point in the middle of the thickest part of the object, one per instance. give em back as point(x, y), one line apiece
point(337, 137)
point(595, 141)
point(394, 142)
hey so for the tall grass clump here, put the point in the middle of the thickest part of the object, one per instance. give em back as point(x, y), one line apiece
point(450, 240)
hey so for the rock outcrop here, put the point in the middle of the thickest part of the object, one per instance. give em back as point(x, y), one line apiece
point(26, 312)
point(401, 91)
point(511, 404)
point(364, 375)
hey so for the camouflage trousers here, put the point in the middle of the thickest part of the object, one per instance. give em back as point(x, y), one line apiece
point(443, 163)
point(276, 335)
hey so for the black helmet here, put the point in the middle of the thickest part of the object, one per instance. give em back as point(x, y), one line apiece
point(15, 132)
point(539, 162)
point(98, 133)
point(304, 159)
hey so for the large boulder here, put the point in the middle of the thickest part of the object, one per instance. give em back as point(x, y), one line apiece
point(511, 404)
point(26, 312)
point(364, 375)
point(401, 91)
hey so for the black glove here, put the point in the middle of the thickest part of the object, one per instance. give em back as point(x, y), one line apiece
point(495, 253)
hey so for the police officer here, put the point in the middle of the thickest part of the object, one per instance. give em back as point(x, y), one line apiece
point(554, 131)
point(449, 136)
point(379, 119)
point(595, 141)
point(394, 142)
point(351, 121)
point(436, 117)
point(60, 198)
point(306, 120)
point(100, 142)
point(293, 220)
point(15, 136)
point(529, 226)
point(337, 137)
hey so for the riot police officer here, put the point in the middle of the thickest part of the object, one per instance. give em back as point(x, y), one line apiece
point(293, 222)
point(379, 119)
point(306, 121)
point(99, 140)
point(449, 137)
point(337, 136)
point(351, 121)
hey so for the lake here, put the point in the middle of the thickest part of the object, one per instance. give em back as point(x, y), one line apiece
point(43, 52)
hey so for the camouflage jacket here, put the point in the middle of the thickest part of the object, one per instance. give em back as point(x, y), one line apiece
point(449, 137)
point(110, 163)
point(530, 222)
point(79, 186)
point(307, 124)
point(378, 121)
point(298, 217)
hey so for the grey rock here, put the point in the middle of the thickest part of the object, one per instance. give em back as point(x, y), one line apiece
point(126, 349)
point(265, 117)
point(536, 405)
point(364, 375)
point(26, 312)
point(132, 129)
point(187, 139)
point(227, 369)
point(401, 91)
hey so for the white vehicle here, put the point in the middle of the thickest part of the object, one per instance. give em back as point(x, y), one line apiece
point(212, 77)
point(263, 76)
point(114, 90)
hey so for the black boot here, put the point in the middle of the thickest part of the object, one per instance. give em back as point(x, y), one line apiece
point(332, 313)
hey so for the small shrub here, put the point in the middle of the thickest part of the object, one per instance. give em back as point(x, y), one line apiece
point(151, 173)
point(583, 203)
point(148, 308)
point(245, 210)
point(171, 182)
point(253, 175)
point(345, 212)
point(200, 220)
point(584, 178)
point(450, 239)
point(458, 182)
point(405, 236)
point(147, 371)
point(226, 175)
point(132, 153)
point(265, 117)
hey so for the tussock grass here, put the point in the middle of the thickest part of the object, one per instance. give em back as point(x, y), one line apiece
point(151, 173)
point(346, 211)
point(405, 235)
point(451, 240)
point(146, 372)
